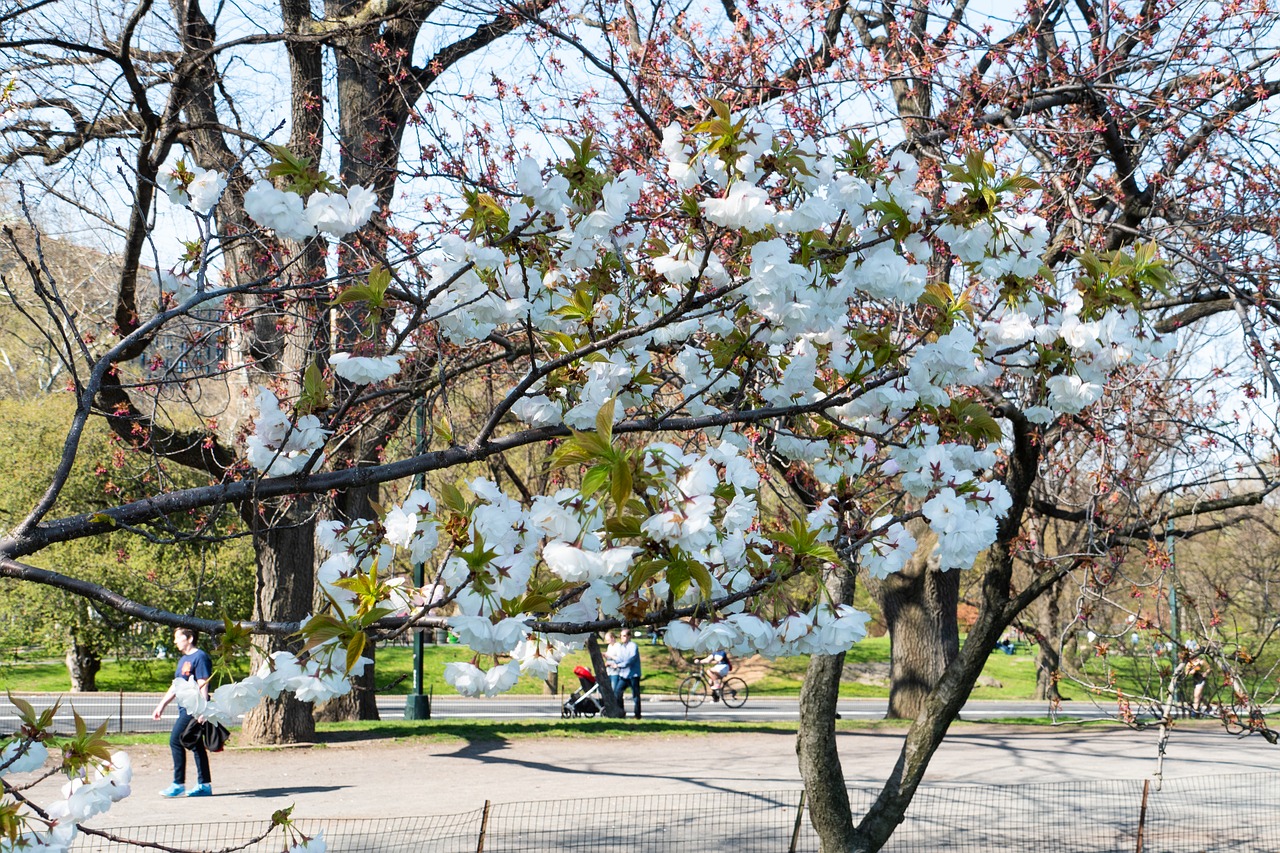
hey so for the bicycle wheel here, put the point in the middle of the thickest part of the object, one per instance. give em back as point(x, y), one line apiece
point(734, 693)
point(693, 691)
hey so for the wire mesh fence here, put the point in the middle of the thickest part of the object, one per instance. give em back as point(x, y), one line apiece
point(1238, 813)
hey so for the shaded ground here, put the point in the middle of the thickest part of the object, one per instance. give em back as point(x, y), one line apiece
point(366, 779)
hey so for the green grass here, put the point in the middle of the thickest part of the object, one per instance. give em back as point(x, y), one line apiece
point(663, 672)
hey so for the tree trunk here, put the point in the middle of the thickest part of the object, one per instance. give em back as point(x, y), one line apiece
point(919, 606)
point(996, 611)
point(609, 699)
point(1048, 662)
point(827, 796)
point(285, 547)
point(83, 664)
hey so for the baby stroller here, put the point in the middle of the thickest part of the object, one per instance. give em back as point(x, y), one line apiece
point(585, 701)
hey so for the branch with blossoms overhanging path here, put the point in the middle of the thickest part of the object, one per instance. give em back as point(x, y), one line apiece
point(806, 306)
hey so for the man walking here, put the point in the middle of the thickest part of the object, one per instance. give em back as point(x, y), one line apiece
point(628, 662)
point(194, 664)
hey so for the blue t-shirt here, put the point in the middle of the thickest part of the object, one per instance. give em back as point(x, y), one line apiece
point(197, 665)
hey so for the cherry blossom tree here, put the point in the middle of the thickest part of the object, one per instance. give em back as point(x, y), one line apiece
point(793, 282)
point(679, 299)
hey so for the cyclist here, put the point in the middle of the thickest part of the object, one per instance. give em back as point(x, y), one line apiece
point(718, 665)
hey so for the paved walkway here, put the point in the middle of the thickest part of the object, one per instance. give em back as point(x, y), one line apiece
point(367, 779)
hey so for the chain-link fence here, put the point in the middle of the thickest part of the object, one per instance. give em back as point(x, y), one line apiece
point(1240, 814)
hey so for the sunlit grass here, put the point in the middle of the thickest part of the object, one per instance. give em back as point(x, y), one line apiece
point(663, 672)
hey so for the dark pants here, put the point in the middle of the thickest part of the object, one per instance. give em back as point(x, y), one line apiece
point(621, 683)
point(180, 753)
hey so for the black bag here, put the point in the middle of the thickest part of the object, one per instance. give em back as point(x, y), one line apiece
point(212, 735)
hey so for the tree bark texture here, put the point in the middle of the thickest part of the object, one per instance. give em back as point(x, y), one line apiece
point(919, 607)
point(83, 664)
point(828, 798)
point(1048, 661)
point(285, 549)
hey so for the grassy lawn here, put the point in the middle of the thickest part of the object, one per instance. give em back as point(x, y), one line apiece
point(663, 672)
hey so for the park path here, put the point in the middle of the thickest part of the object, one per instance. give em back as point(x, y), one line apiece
point(373, 778)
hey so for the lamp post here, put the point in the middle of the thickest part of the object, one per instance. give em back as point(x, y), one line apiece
point(1173, 583)
point(416, 705)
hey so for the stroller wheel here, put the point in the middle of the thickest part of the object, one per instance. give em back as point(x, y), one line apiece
point(565, 712)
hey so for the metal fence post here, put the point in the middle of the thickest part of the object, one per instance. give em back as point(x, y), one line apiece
point(795, 830)
point(1142, 814)
point(120, 725)
point(484, 827)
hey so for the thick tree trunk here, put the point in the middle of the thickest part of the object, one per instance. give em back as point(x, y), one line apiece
point(828, 798)
point(285, 547)
point(919, 608)
point(83, 664)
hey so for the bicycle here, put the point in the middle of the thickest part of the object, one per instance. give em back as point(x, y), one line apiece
point(697, 686)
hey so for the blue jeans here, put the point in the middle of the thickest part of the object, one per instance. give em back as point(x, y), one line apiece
point(180, 753)
point(621, 683)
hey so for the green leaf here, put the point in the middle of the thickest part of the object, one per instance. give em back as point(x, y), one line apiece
point(604, 421)
point(25, 710)
point(977, 422)
point(315, 394)
point(620, 485)
point(532, 602)
point(452, 499)
point(678, 578)
point(643, 571)
point(702, 576)
point(595, 477)
point(355, 293)
point(444, 429)
point(299, 173)
point(621, 527)
point(355, 648)
point(379, 281)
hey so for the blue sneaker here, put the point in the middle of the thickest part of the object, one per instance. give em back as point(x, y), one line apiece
point(174, 790)
point(201, 791)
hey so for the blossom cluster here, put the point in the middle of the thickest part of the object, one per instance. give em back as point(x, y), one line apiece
point(199, 191)
point(365, 370)
point(821, 630)
point(88, 792)
point(321, 675)
point(328, 213)
point(810, 311)
point(787, 278)
point(835, 332)
point(279, 447)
